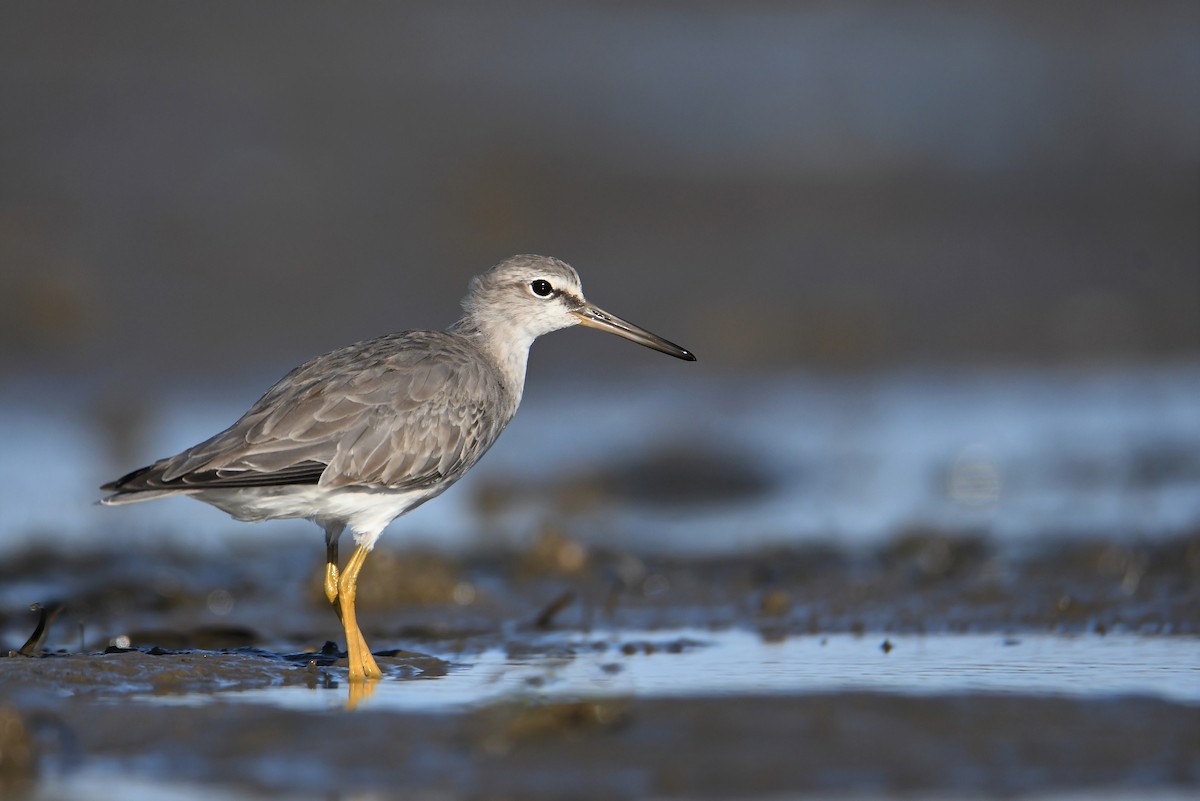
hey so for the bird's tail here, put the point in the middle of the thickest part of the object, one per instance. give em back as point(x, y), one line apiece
point(122, 498)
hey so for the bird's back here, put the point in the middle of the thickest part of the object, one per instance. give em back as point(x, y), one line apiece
point(403, 412)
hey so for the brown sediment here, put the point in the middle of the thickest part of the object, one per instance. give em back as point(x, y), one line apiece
point(267, 628)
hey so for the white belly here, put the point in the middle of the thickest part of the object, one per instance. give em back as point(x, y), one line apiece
point(365, 511)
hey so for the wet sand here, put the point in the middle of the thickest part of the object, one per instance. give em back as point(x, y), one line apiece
point(134, 678)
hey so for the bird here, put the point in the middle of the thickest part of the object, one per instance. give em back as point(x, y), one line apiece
point(357, 437)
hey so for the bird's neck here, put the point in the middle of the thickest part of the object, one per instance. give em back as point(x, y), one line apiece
point(507, 348)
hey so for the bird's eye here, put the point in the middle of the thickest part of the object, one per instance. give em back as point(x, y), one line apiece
point(541, 288)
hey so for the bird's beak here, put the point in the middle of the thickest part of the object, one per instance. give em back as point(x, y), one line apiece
point(593, 317)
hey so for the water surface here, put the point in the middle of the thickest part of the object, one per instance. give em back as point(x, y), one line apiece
point(704, 663)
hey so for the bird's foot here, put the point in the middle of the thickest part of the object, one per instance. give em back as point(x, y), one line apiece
point(362, 662)
point(367, 669)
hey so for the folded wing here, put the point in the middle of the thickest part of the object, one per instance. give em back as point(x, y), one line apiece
point(402, 411)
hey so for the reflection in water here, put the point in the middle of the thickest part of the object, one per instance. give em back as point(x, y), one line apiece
point(737, 662)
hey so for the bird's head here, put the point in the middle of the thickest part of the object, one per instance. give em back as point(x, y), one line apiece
point(528, 296)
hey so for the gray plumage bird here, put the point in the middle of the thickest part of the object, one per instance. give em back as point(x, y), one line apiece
point(357, 437)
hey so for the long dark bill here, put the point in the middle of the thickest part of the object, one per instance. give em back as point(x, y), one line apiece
point(594, 317)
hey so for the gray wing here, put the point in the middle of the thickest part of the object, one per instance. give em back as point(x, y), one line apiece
point(402, 411)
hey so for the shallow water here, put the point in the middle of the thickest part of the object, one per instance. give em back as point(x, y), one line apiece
point(636, 714)
point(774, 673)
point(711, 464)
point(736, 662)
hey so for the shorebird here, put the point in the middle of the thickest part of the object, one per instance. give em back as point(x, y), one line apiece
point(357, 437)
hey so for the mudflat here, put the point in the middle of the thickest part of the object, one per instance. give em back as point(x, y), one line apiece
point(934, 663)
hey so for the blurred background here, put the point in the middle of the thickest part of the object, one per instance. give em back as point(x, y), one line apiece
point(940, 261)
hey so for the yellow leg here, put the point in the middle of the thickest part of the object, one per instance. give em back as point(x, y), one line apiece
point(331, 574)
point(362, 663)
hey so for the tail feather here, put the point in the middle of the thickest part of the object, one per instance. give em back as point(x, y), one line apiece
point(147, 483)
point(129, 481)
point(136, 487)
point(122, 498)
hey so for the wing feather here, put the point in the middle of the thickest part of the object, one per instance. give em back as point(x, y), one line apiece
point(406, 410)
